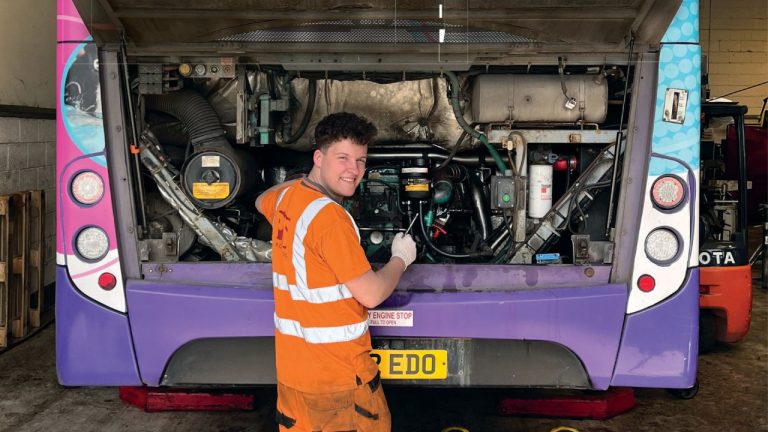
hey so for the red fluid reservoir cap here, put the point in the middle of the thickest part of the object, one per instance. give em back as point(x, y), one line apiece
point(565, 163)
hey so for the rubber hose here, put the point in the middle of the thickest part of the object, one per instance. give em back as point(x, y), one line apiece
point(480, 203)
point(455, 90)
point(429, 242)
point(311, 96)
point(196, 113)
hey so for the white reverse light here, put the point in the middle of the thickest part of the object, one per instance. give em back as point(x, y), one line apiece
point(92, 243)
point(662, 245)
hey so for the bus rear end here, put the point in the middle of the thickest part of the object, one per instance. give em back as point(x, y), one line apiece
point(549, 174)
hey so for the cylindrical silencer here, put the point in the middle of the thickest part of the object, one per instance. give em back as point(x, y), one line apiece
point(538, 98)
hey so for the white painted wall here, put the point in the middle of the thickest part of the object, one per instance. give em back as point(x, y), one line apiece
point(28, 52)
point(734, 34)
point(27, 78)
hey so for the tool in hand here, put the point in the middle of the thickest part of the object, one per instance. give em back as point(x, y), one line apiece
point(411, 225)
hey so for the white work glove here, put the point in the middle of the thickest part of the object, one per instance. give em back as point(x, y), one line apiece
point(404, 248)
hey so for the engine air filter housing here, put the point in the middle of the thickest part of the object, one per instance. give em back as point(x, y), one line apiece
point(213, 179)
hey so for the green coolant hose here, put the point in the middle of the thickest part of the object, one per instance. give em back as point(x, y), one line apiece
point(473, 133)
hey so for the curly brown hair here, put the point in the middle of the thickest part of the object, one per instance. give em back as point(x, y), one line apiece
point(338, 126)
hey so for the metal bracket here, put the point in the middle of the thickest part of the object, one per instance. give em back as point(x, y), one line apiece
point(586, 251)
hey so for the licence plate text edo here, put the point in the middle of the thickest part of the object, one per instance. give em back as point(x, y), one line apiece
point(412, 364)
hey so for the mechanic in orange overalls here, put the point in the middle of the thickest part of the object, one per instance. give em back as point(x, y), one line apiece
point(324, 285)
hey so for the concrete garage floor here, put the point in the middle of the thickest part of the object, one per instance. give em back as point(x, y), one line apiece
point(733, 397)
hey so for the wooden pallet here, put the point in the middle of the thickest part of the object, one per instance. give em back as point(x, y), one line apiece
point(5, 266)
point(36, 259)
point(18, 302)
point(22, 217)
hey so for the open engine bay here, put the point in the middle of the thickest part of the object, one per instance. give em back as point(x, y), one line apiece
point(495, 164)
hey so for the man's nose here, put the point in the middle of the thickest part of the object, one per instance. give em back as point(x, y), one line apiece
point(353, 167)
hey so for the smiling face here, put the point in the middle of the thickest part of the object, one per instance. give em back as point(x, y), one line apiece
point(340, 167)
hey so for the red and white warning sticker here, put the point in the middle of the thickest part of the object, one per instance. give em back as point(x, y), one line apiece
point(390, 318)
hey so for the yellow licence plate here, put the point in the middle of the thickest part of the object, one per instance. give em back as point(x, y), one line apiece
point(412, 364)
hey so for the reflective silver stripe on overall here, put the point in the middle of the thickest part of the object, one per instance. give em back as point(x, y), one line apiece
point(318, 335)
point(280, 198)
point(314, 295)
point(300, 232)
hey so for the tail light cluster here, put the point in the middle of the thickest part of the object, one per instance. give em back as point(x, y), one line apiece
point(663, 245)
point(91, 242)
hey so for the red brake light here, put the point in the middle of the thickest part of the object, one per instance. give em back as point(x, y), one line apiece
point(87, 188)
point(646, 283)
point(668, 192)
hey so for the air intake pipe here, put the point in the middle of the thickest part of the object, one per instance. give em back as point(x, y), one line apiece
point(215, 174)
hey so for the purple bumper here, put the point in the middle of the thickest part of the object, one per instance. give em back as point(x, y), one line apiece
point(660, 345)
point(584, 314)
point(93, 344)
point(184, 302)
point(165, 316)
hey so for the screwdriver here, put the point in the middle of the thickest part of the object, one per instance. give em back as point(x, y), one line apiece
point(411, 225)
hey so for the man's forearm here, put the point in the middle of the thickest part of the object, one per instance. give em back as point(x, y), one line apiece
point(374, 287)
point(390, 276)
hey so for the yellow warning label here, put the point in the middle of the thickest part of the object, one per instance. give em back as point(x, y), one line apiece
point(210, 191)
point(422, 187)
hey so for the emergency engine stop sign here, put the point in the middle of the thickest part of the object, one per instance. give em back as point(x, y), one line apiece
point(412, 364)
point(390, 318)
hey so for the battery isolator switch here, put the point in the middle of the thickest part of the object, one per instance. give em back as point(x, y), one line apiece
point(503, 192)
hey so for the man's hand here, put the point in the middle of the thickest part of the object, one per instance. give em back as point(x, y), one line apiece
point(404, 248)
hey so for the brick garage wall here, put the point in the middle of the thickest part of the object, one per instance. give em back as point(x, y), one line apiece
point(734, 35)
point(27, 162)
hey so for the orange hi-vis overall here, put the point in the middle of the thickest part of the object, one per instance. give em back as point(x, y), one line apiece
point(322, 342)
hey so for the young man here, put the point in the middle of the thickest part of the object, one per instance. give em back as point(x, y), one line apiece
point(324, 286)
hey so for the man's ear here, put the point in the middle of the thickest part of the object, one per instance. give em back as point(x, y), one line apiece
point(317, 158)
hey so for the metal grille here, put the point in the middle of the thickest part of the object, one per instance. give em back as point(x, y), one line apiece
point(381, 22)
point(375, 31)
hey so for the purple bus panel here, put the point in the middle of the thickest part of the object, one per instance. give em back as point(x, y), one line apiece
point(661, 344)
point(165, 316)
point(167, 313)
point(93, 343)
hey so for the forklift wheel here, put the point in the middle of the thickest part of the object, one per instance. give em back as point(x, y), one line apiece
point(685, 393)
